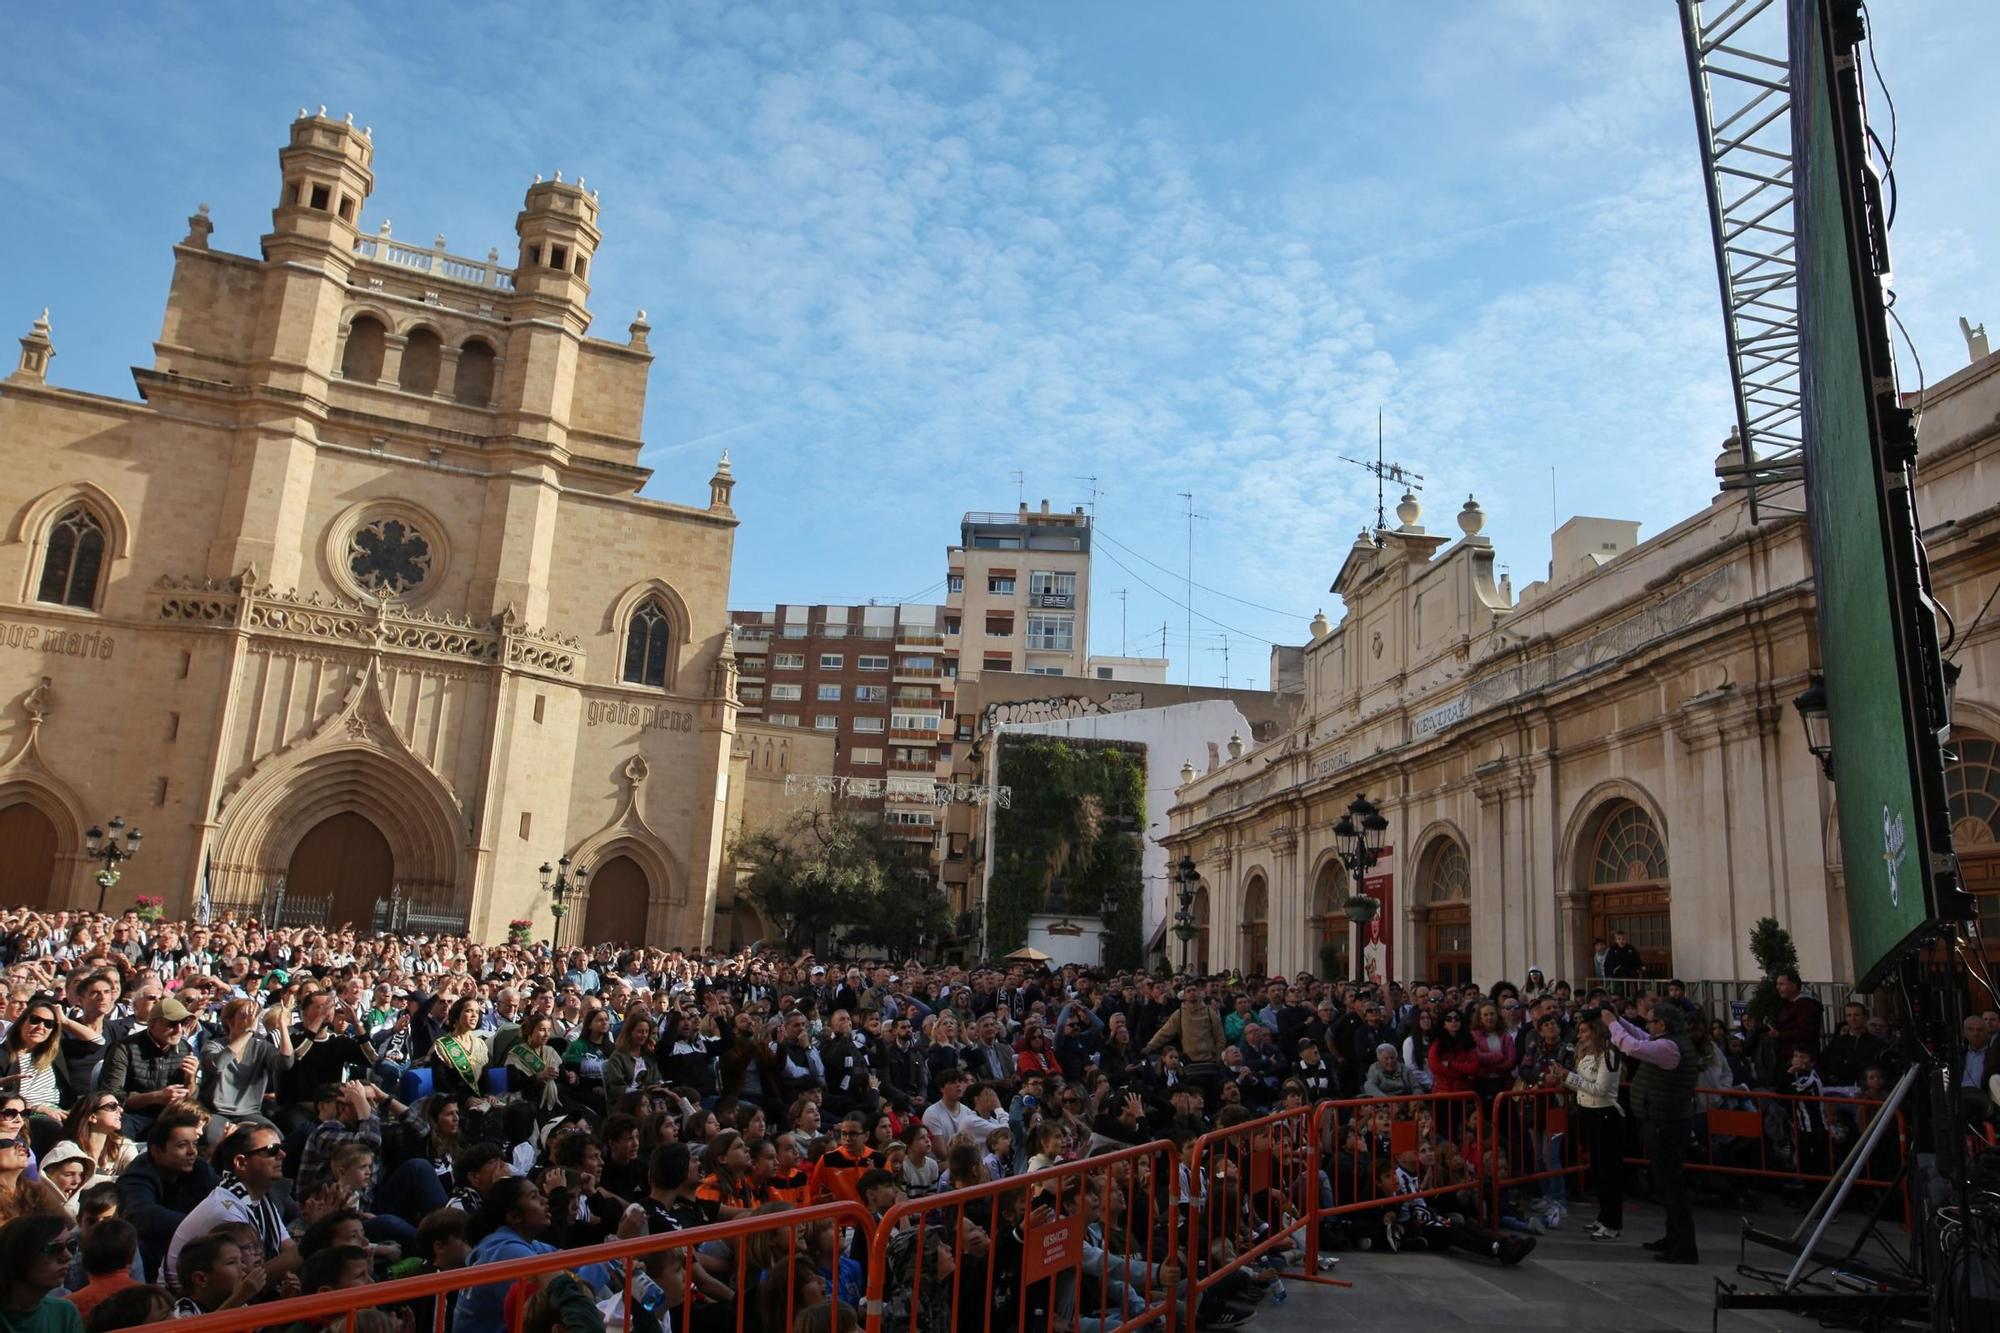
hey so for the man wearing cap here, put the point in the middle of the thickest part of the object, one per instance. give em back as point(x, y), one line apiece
point(153, 1068)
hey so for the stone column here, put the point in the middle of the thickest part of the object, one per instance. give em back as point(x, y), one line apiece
point(1490, 864)
point(1701, 850)
point(1287, 944)
point(392, 360)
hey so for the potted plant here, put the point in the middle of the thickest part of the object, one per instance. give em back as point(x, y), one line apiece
point(519, 930)
point(1360, 908)
point(149, 907)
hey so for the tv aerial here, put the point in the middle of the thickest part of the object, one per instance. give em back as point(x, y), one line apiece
point(1385, 471)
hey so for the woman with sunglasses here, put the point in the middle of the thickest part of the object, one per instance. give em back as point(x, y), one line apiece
point(32, 1050)
point(1454, 1064)
point(21, 1195)
point(36, 1251)
point(95, 1125)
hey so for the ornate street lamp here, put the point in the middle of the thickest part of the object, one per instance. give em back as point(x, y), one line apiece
point(559, 882)
point(1358, 836)
point(1818, 725)
point(1188, 877)
point(122, 845)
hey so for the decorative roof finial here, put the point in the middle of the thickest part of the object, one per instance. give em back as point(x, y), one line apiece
point(1471, 518)
point(36, 349)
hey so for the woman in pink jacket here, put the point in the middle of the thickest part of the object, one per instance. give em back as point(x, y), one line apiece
point(1494, 1047)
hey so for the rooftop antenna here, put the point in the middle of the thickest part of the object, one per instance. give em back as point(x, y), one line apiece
point(1381, 471)
point(1020, 486)
point(1123, 641)
point(1094, 493)
point(1224, 650)
point(1187, 670)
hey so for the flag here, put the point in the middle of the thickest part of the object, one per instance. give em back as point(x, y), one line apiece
point(204, 905)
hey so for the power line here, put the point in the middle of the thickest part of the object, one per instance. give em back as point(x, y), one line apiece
point(1174, 601)
point(1214, 592)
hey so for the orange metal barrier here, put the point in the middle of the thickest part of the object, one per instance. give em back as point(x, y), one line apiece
point(1754, 1140)
point(1365, 1137)
point(1248, 1192)
point(328, 1309)
point(1528, 1126)
point(1081, 1241)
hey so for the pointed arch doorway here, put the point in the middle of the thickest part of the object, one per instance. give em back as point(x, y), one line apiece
point(615, 910)
point(345, 860)
point(28, 870)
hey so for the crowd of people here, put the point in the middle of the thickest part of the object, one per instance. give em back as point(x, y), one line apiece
point(199, 1117)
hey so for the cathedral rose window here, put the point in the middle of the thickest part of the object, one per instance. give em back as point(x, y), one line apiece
point(389, 555)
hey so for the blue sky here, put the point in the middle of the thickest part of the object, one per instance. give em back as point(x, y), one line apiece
point(893, 252)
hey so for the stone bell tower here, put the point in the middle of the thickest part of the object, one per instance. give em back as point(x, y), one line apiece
point(557, 226)
point(309, 252)
point(303, 290)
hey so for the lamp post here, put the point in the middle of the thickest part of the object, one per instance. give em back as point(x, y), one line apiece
point(559, 881)
point(1188, 877)
point(1358, 835)
point(122, 845)
point(1819, 730)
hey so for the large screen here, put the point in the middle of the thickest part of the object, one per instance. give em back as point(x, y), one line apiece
point(1887, 766)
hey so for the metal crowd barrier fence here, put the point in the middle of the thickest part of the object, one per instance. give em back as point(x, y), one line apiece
point(1792, 1136)
point(1724, 999)
point(328, 1310)
point(1534, 1136)
point(1081, 1243)
point(1367, 1139)
point(1249, 1192)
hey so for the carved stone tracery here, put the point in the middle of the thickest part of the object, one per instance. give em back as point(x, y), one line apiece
point(376, 625)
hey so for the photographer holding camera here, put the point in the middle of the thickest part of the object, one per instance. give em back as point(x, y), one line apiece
point(1663, 1101)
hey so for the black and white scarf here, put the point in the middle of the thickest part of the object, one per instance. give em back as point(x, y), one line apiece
point(264, 1215)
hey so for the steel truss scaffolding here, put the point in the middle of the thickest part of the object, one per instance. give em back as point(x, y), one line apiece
point(1740, 72)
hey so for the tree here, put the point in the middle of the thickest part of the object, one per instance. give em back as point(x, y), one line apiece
point(905, 912)
point(1771, 945)
point(809, 876)
point(824, 872)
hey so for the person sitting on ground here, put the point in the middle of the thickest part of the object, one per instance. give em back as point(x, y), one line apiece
point(34, 1257)
point(158, 1190)
point(109, 1251)
point(1388, 1077)
point(253, 1162)
point(133, 1307)
point(214, 1277)
point(96, 1125)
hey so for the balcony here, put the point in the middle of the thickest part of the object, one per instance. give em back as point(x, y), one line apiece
point(911, 766)
point(750, 633)
point(902, 671)
point(918, 638)
point(750, 666)
point(433, 262)
point(913, 697)
point(1052, 601)
point(928, 737)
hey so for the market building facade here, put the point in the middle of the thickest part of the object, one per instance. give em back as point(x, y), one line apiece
point(1615, 749)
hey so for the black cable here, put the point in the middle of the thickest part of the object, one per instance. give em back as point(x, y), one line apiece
point(1970, 629)
point(1183, 606)
point(1868, 21)
point(1213, 592)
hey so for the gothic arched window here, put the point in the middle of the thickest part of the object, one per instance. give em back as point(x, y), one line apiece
point(646, 646)
point(74, 554)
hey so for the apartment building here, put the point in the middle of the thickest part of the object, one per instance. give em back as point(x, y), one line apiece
point(868, 677)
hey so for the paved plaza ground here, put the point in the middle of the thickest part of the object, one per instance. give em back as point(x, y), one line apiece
point(1569, 1283)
